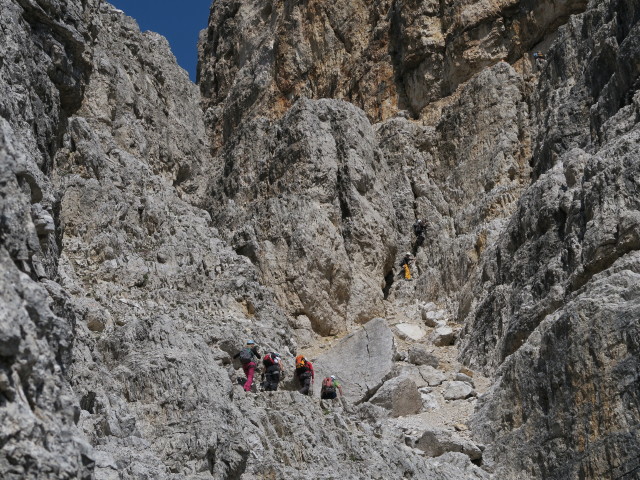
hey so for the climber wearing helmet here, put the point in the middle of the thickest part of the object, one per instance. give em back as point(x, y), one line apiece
point(246, 356)
point(273, 369)
point(330, 388)
point(418, 229)
point(305, 374)
point(406, 265)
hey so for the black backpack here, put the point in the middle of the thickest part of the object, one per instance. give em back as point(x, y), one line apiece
point(246, 355)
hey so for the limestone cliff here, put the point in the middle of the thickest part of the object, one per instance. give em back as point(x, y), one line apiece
point(383, 56)
point(149, 226)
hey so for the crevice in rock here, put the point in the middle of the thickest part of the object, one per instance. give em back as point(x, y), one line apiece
point(184, 174)
point(388, 283)
point(629, 475)
point(248, 250)
point(88, 401)
point(593, 269)
point(235, 472)
point(336, 31)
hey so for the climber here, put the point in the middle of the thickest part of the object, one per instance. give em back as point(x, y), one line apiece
point(330, 388)
point(305, 375)
point(273, 369)
point(418, 229)
point(406, 265)
point(539, 58)
point(248, 365)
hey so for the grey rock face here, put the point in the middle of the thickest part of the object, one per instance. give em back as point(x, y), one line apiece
point(362, 359)
point(38, 411)
point(124, 357)
point(555, 307)
point(139, 273)
point(304, 200)
point(323, 204)
point(257, 58)
point(134, 262)
point(484, 156)
point(461, 461)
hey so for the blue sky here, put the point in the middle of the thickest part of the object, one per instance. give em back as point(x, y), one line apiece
point(180, 22)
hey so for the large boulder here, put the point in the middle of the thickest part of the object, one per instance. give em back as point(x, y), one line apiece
point(432, 376)
point(409, 331)
point(361, 360)
point(442, 336)
point(457, 390)
point(437, 442)
point(400, 395)
point(418, 355)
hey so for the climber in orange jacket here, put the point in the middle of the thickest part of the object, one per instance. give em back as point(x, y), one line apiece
point(305, 374)
point(406, 265)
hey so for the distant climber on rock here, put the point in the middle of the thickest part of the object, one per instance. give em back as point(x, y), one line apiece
point(418, 230)
point(539, 58)
point(330, 388)
point(246, 355)
point(305, 374)
point(406, 262)
point(273, 370)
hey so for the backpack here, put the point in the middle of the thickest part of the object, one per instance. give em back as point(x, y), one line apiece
point(328, 386)
point(300, 362)
point(246, 355)
point(271, 359)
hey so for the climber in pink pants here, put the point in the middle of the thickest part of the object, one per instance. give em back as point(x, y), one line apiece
point(249, 371)
point(247, 355)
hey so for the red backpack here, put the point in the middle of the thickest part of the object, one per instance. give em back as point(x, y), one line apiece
point(270, 359)
point(328, 386)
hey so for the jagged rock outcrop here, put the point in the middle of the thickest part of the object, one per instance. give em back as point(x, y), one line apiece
point(362, 359)
point(323, 205)
point(304, 200)
point(42, 75)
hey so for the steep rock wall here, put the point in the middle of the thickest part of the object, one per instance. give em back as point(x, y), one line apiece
point(304, 199)
point(572, 112)
point(258, 58)
point(323, 203)
point(43, 67)
point(557, 311)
